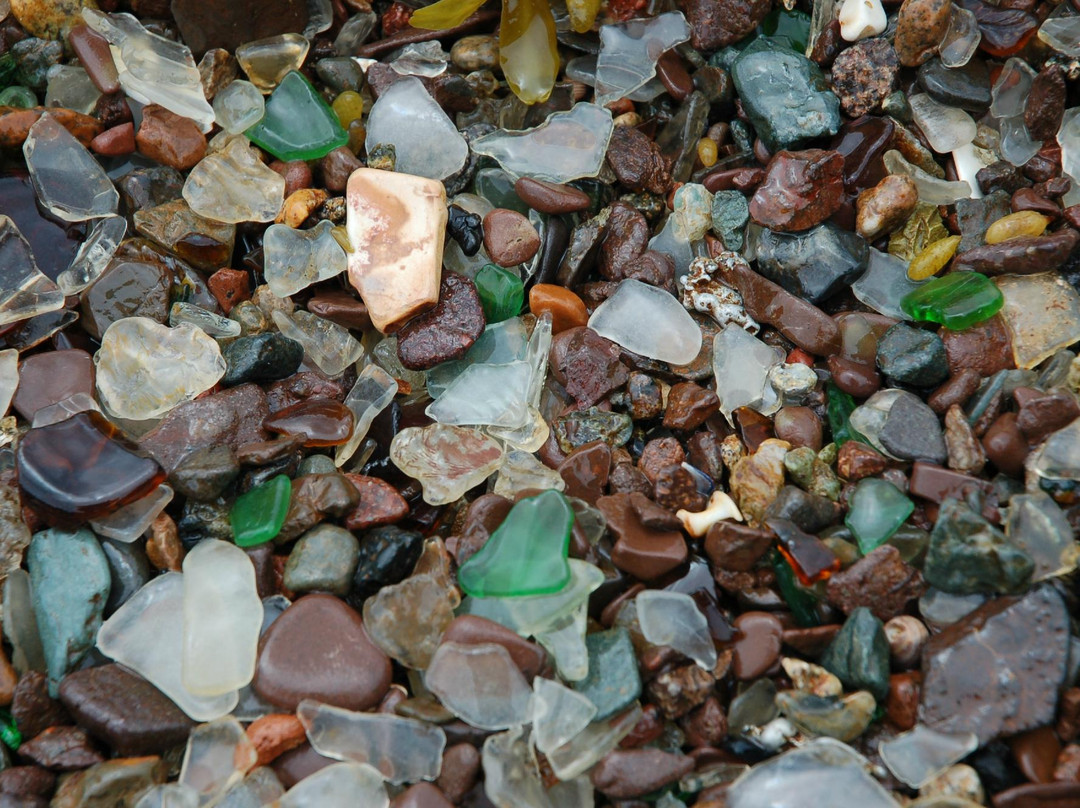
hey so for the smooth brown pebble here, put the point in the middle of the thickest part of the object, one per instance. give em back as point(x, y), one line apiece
point(510, 238)
point(757, 646)
point(550, 197)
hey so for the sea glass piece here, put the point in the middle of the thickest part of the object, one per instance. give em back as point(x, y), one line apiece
point(528, 52)
point(130, 522)
point(1015, 141)
point(20, 625)
point(260, 787)
point(217, 756)
point(946, 128)
point(485, 394)
point(502, 294)
point(510, 773)
point(239, 106)
point(267, 62)
point(9, 378)
point(372, 393)
point(94, 254)
point(868, 419)
point(527, 554)
point(67, 179)
point(153, 69)
point(170, 795)
point(1062, 33)
point(961, 39)
point(24, 290)
point(80, 469)
point(339, 785)
point(673, 336)
point(257, 515)
point(741, 365)
point(878, 508)
point(298, 124)
point(1012, 88)
point(233, 185)
point(407, 619)
point(932, 191)
point(425, 140)
point(327, 344)
point(567, 146)
point(884, 284)
point(398, 278)
point(630, 50)
point(480, 684)
point(559, 713)
point(213, 325)
point(223, 615)
point(957, 301)
point(1039, 527)
point(917, 757)
point(690, 219)
point(585, 749)
point(447, 460)
point(673, 618)
point(69, 581)
point(823, 772)
point(403, 750)
point(144, 369)
point(70, 87)
point(583, 69)
point(1042, 314)
point(146, 634)
point(500, 344)
point(295, 259)
point(521, 471)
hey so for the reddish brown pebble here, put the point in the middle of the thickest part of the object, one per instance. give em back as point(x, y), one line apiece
point(297, 175)
point(1046, 413)
point(902, 704)
point(585, 471)
point(1006, 445)
point(854, 378)
point(801, 189)
point(48, 378)
point(638, 162)
point(689, 405)
point(658, 454)
point(957, 390)
point(757, 646)
point(566, 309)
point(985, 347)
point(421, 795)
point(170, 139)
point(1039, 795)
point(715, 25)
point(742, 179)
point(1036, 752)
point(811, 642)
point(633, 773)
point(316, 421)
point(472, 630)
point(33, 709)
point(736, 547)
point(857, 460)
point(342, 308)
point(61, 749)
point(115, 142)
point(461, 764)
point(164, 549)
point(380, 503)
point(550, 197)
point(93, 52)
point(229, 287)
point(275, 734)
point(881, 582)
point(25, 783)
point(799, 426)
point(643, 552)
point(510, 238)
point(706, 725)
point(445, 332)
point(337, 167)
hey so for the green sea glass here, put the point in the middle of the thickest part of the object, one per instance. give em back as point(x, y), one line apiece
point(298, 124)
point(957, 301)
point(527, 554)
point(878, 508)
point(501, 291)
point(839, 406)
point(257, 516)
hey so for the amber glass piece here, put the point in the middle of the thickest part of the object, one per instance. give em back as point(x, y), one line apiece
point(321, 422)
point(1005, 31)
point(82, 469)
point(444, 14)
point(527, 49)
point(811, 559)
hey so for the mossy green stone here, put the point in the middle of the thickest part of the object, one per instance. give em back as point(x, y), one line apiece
point(298, 124)
point(257, 516)
point(502, 294)
point(859, 654)
point(957, 301)
point(613, 682)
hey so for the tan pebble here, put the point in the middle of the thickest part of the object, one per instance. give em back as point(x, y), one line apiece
point(300, 205)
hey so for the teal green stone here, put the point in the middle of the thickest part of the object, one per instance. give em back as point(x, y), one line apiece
point(793, 26)
point(969, 556)
point(323, 560)
point(70, 581)
point(257, 516)
point(17, 96)
point(839, 406)
point(613, 682)
point(502, 294)
point(957, 301)
point(298, 124)
point(526, 555)
point(730, 213)
point(784, 94)
point(859, 654)
point(877, 509)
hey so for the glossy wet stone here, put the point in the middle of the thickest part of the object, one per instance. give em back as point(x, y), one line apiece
point(801, 189)
point(445, 332)
point(813, 265)
point(757, 644)
point(261, 358)
point(79, 469)
point(878, 509)
point(911, 431)
point(859, 654)
point(298, 123)
point(319, 422)
point(912, 356)
point(318, 649)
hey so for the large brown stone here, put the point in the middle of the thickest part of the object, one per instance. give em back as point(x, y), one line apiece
point(170, 139)
point(801, 189)
point(206, 25)
point(881, 581)
point(644, 552)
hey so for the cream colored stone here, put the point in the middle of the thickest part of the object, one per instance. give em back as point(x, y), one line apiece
point(396, 224)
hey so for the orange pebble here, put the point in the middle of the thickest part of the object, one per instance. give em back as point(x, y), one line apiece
point(567, 309)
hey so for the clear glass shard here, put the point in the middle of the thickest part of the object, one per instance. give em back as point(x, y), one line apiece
point(68, 180)
point(630, 50)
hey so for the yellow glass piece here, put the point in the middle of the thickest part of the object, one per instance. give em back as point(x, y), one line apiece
point(357, 136)
point(932, 258)
point(341, 236)
point(349, 107)
point(583, 14)
point(444, 14)
point(528, 51)
point(1015, 225)
point(707, 152)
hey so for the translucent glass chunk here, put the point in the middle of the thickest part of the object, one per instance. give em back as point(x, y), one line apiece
point(170, 795)
point(213, 325)
point(672, 335)
point(584, 750)
point(327, 344)
point(425, 140)
point(511, 777)
point(917, 757)
point(403, 750)
point(217, 757)
point(884, 284)
point(132, 521)
point(70, 87)
point(407, 619)
point(946, 128)
point(68, 180)
point(962, 38)
point(1042, 314)
point(340, 785)
point(239, 106)
point(233, 185)
point(521, 471)
point(447, 460)
point(501, 343)
point(1012, 88)
point(94, 254)
point(480, 684)
point(25, 291)
point(1058, 459)
point(426, 59)
point(372, 393)
point(485, 394)
point(1062, 33)
point(741, 365)
point(567, 146)
point(146, 635)
point(267, 61)
point(9, 378)
point(629, 52)
point(932, 191)
point(673, 618)
point(260, 787)
point(153, 69)
point(1015, 142)
point(559, 714)
point(295, 259)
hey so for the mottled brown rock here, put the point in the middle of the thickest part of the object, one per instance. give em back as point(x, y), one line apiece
point(469, 629)
point(625, 774)
point(881, 582)
point(586, 364)
point(27, 781)
point(902, 703)
point(638, 162)
point(643, 552)
point(380, 503)
point(653, 268)
point(15, 124)
point(864, 74)
point(275, 734)
point(715, 24)
point(658, 454)
point(229, 287)
point(957, 390)
point(461, 765)
point(125, 711)
point(886, 206)
point(1046, 413)
point(801, 189)
point(689, 406)
point(550, 197)
point(1067, 766)
point(445, 332)
point(998, 670)
point(510, 238)
point(170, 139)
point(586, 470)
point(757, 644)
point(985, 347)
point(676, 692)
point(627, 236)
point(314, 498)
point(707, 725)
point(676, 488)
point(61, 749)
point(1025, 255)
point(920, 26)
point(1045, 103)
point(33, 709)
point(737, 547)
point(799, 426)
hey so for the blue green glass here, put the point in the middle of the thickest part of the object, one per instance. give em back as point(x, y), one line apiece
point(298, 124)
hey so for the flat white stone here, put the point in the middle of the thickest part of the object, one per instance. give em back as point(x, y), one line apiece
point(426, 142)
point(673, 618)
point(648, 321)
point(860, 19)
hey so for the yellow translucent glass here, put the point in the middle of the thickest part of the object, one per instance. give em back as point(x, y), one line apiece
point(582, 14)
point(527, 49)
point(444, 14)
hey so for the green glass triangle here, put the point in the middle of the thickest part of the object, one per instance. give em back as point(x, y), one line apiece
point(298, 124)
